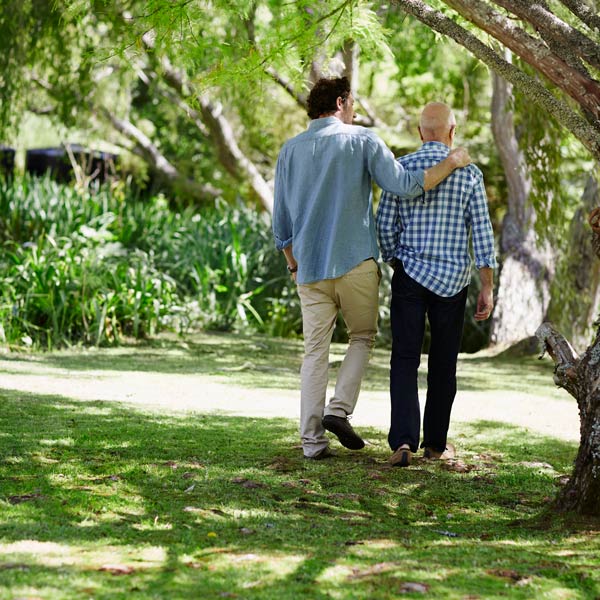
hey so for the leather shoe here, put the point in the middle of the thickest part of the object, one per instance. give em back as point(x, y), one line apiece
point(341, 427)
point(401, 458)
point(321, 454)
point(449, 452)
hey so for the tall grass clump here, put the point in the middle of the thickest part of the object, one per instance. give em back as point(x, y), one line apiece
point(91, 266)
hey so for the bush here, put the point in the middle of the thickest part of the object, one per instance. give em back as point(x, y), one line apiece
point(92, 266)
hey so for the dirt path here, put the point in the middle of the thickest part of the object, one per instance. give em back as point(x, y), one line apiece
point(557, 417)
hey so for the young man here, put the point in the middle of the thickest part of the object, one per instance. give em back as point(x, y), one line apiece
point(427, 243)
point(323, 222)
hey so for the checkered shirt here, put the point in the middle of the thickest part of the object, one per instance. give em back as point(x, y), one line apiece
point(430, 234)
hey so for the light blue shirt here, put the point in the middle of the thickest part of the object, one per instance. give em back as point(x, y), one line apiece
point(323, 196)
point(431, 237)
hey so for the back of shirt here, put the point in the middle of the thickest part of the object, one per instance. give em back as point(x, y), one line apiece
point(431, 235)
point(323, 197)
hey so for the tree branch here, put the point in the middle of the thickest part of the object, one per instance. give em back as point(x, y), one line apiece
point(565, 358)
point(529, 87)
point(550, 27)
point(583, 12)
point(584, 90)
point(220, 131)
point(157, 161)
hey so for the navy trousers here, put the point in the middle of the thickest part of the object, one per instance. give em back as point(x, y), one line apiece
point(411, 303)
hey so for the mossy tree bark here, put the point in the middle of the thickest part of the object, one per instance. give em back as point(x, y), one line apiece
point(579, 376)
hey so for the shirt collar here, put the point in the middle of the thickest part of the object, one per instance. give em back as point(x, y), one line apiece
point(436, 145)
point(322, 122)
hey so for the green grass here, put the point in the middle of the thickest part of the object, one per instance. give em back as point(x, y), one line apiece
point(100, 500)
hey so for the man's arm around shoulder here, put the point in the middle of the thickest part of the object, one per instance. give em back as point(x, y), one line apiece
point(458, 158)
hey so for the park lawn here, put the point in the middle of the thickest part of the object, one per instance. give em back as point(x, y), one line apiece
point(105, 500)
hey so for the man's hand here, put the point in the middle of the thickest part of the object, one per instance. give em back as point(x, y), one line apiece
point(460, 157)
point(485, 303)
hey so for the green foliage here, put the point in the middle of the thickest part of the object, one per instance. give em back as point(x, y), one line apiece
point(91, 267)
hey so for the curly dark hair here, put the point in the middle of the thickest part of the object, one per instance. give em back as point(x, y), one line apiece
point(322, 98)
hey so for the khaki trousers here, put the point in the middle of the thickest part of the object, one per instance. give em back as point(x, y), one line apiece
point(356, 295)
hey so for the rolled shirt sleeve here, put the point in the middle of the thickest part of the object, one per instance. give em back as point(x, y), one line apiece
point(282, 222)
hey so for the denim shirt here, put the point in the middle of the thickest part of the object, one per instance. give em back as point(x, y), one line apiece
point(323, 196)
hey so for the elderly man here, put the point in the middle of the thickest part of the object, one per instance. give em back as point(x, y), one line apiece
point(427, 244)
point(323, 222)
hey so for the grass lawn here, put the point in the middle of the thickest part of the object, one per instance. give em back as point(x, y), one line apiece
point(100, 499)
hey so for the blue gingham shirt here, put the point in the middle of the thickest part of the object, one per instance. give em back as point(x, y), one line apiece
point(431, 235)
point(323, 196)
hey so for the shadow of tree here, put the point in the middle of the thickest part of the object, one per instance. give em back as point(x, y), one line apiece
point(227, 498)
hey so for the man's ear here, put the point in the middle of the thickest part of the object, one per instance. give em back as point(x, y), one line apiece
point(452, 132)
point(420, 134)
point(339, 103)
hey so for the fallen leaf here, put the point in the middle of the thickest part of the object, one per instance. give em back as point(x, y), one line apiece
point(410, 586)
point(282, 463)
point(246, 531)
point(188, 475)
point(247, 483)
point(15, 566)
point(457, 466)
point(190, 489)
point(24, 498)
point(506, 573)
point(537, 465)
point(374, 570)
point(117, 569)
point(446, 533)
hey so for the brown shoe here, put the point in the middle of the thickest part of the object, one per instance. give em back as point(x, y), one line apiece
point(449, 452)
point(321, 454)
point(401, 458)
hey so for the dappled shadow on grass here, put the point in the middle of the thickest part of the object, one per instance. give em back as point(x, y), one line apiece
point(261, 361)
point(247, 358)
point(232, 508)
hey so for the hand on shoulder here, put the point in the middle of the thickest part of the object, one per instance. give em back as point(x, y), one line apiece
point(460, 157)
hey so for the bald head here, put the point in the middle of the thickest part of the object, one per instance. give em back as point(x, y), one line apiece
point(437, 123)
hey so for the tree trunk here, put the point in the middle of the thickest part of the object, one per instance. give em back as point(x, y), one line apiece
point(576, 289)
point(524, 281)
point(579, 376)
point(159, 164)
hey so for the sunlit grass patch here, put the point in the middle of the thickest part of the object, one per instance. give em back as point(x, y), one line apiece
point(98, 499)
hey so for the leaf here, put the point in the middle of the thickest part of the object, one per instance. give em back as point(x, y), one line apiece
point(374, 570)
point(410, 586)
point(457, 466)
point(246, 531)
point(247, 483)
point(518, 579)
point(117, 569)
point(446, 533)
point(24, 498)
point(15, 566)
point(190, 489)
